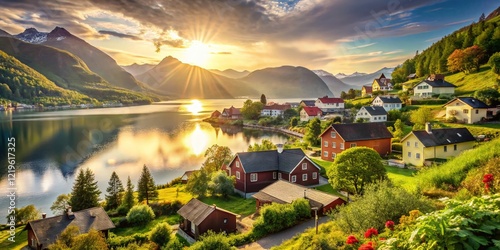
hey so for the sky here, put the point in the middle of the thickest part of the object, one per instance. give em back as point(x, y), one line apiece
point(333, 35)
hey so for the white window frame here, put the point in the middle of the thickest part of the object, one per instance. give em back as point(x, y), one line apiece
point(325, 153)
point(252, 175)
point(294, 178)
point(304, 177)
point(408, 143)
point(334, 155)
point(315, 175)
point(409, 154)
point(238, 175)
point(237, 164)
point(193, 228)
point(279, 176)
point(334, 145)
point(304, 166)
point(333, 134)
point(353, 145)
point(416, 144)
point(341, 145)
point(274, 175)
point(325, 144)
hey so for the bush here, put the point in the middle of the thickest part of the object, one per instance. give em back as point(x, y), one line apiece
point(123, 241)
point(276, 217)
point(140, 214)
point(161, 234)
point(474, 179)
point(173, 244)
point(212, 240)
point(381, 202)
point(122, 210)
point(165, 208)
point(397, 147)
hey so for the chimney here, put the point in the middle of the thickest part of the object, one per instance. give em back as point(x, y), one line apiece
point(279, 147)
point(44, 215)
point(69, 213)
point(428, 128)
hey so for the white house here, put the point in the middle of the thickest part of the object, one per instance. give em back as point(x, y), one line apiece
point(372, 114)
point(274, 110)
point(466, 109)
point(387, 102)
point(330, 104)
point(308, 113)
point(434, 85)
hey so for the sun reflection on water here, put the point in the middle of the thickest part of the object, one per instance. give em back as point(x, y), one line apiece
point(197, 141)
point(195, 107)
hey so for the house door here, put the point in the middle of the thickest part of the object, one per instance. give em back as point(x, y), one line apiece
point(193, 228)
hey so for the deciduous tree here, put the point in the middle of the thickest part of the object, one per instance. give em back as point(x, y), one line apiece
point(251, 110)
point(85, 192)
point(265, 144)
point(146, 188)
point(420, 117)
point(198, 183)
point(161, 234)
point(313, 130)
point(356, 167)
point(215, 157)
point(221, 184)
point(60, 204)
point(114, 192)
point(487, 95)
point(494, 63)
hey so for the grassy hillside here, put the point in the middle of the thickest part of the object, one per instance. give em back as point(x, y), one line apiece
point(21, 83)
point(467, 84)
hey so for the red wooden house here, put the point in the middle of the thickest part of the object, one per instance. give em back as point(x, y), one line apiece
point(231, 113)
point(200, 217)
point(340, 137)
point(256, 170)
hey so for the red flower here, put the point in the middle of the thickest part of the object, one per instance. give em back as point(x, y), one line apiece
point(371, 232)
point(487, 178)
point(390, 224)
point(367, 246)
point(351, 239)
point(381, 238)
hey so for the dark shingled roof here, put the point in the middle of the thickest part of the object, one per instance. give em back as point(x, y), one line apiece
point(438, 84)
point(271, 160)
point(309, 103)
point(361, 131)
point(375, 110)
point(197, 211)
point(47, 230)
point(390, 99)
point(471, 101)
point(443, 136)
point(285, 192)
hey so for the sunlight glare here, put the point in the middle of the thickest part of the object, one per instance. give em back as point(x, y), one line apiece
point(195, 107)
point(197, 54)
point(197, 141)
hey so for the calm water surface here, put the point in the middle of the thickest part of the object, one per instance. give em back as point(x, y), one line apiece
point(52, 146)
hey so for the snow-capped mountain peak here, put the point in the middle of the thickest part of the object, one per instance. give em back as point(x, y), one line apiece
point(31, 35)
point(340, 75)
point(357, 74)
point(321, 72)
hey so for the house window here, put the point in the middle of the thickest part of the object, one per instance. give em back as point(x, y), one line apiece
point(466, 111)
point(416, 144)
point(477, 111)
point(445, 148)
point(253, 177)
point(341, 145)
point(325, 153)
point(407, 143)
point(315, 175)
point(334, 145)
point(353, 145)
point(455, 147)
point(304, 165)
point(417, 155)
point(326, 144)
point(304, 177)
point(334, 134)
point(279, 176)
point(274, 175)
point(409, 154)
point(294, 178)
point(237, 164)
point(334, 155)
point(225, 220)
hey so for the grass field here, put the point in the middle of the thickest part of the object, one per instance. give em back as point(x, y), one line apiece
point(467, 84)
point(489, 129)
point(177, 192)
point(235, 204)
point(402, 177)
point(324, 165)
point(21, 239)
point(145, 228)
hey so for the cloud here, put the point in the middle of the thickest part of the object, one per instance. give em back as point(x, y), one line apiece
point(118, 34)
point(460, 22)
point(222, 53)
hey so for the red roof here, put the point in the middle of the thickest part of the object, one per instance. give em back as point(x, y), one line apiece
point(232, 111)
point(331, 100)
point(368, 88)
point(312, 111)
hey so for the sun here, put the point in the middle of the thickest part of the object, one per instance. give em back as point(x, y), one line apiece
point(197, 53)
point(195, 107)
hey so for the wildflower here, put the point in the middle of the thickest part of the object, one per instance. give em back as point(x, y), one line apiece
point(488, 181)
point(371, 232)
point(366, 246)
point(351, 239)
point(390, 224)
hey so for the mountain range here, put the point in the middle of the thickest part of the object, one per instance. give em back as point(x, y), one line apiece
point(72, 63)
point(359, 79)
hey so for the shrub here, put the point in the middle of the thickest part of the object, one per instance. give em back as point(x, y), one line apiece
point(123, 241)
point(276, 217)
point(173, 244)
point(397, 147)
point(474, 179)
point(161, 234)
point(212, 240)
point(165, 208)
point(140, 214)
point(122, 210)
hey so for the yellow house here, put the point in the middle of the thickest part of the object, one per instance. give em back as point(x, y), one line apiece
point(381, 84)
point(466, 109)
point(442, 143)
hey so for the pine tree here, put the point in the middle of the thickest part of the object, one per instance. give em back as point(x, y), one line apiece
point(128, 197)
point(146, 186)
point(85, 192)
point(114, 190)
point(263, 99)
point(482, 18)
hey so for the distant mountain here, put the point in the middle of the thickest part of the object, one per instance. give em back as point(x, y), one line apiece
point(360, 79)
point(4, 33)
point(231, 73)
point(31, 35)
point(321, 72)
point(288, 82)
point(334, 84)
point(20, 83)
point(97, 61)
point(178, 80)
point(340, 75)
point(137, 69)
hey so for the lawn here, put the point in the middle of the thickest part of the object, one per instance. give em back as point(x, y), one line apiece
point(324, 165)
point(489, 129)
point(21, 239)
point(327, 188)
point(176, 192)
point(235, 204)
point(171, 219)
point(467, 84)
point(402, 177)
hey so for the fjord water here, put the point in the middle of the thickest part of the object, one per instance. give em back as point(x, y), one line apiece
point(51, 147)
